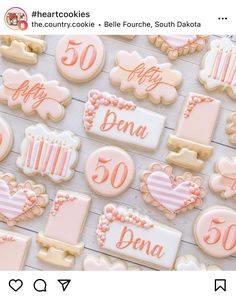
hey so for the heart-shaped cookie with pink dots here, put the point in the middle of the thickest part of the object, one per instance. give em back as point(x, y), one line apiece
point(20, 201)
point(171, 194)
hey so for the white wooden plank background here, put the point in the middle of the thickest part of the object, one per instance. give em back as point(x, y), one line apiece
point(189, 66)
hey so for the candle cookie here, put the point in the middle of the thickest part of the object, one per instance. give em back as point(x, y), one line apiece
point(219, 67)
point(231, 128)
point(61, 240)
point(191, 144)
point(20, 201)
point(49, 153)
point(80, 58)
point(223, 181)
point(190, 263)
point(171, 194)
point(34, 94)
point(102, 263)
point(109, 171)
point(14, 248)
point(215, 231)
point(127, 233)
point(178, 45)
point(6, 138)
point(116, 119)
point(22, 48)
point(146, 77)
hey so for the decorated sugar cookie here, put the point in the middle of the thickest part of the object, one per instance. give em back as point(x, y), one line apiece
point(231, 128)
point(6, 139)
point(190, 263)
point(215, 231)
point(145, 77)
point(22, 48)
point(116, 119)
point(219, 67)
point(80, 58)
point(131, 235)
point(61, 240)
point(49, 153)
point(102, 263)
point(177, 45)
point(14, 248)
point(191, 143)
point(170, 194)
point(223, 181)
point(34, 94)
point(20, 201)
point(109, 171)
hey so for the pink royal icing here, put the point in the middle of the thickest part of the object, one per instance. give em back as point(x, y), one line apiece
point(97, 99)
point(20, 201)
point(177, 41)
point(146, 77)
point(14, 248)
point(80, 57)
point(169, 193)
point(198, 119)
point(215, 231)
point(34, 94)
point(109, 171)
point(67, 217)
point(111, 214)
point(108, 116)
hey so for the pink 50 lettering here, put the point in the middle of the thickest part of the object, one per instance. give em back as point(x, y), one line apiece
point(221, 233)
point(86, 59)
point(103, 174)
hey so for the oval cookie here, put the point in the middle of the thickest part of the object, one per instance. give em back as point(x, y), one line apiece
point(6, 138)
point(215, 231)
point(80, 58)
point(109, 171)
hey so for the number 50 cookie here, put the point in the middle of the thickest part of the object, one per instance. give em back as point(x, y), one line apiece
point(215, 231)
point(80, 57)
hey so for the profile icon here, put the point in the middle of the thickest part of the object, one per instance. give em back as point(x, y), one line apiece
point(16, 18)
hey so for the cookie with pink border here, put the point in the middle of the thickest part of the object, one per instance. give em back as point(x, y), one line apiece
point(80, 58)
point(109, 171)
point(215, 231)
point(145, 77)
point(6, 138)
point(231, 128)
point(49, 153)
point(61, 240)
point(223, 182)
point(33, 94)
point(219, 67)
point(129, 234)
point(121, 121)
point(171, 194)
point(178, 45)
point(20, 201)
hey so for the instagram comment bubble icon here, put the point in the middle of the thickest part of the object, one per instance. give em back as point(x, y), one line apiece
point(16, 19)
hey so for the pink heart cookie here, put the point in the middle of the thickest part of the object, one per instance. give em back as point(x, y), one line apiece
point(178, 45)
point(171, 194)
point(20, 201)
